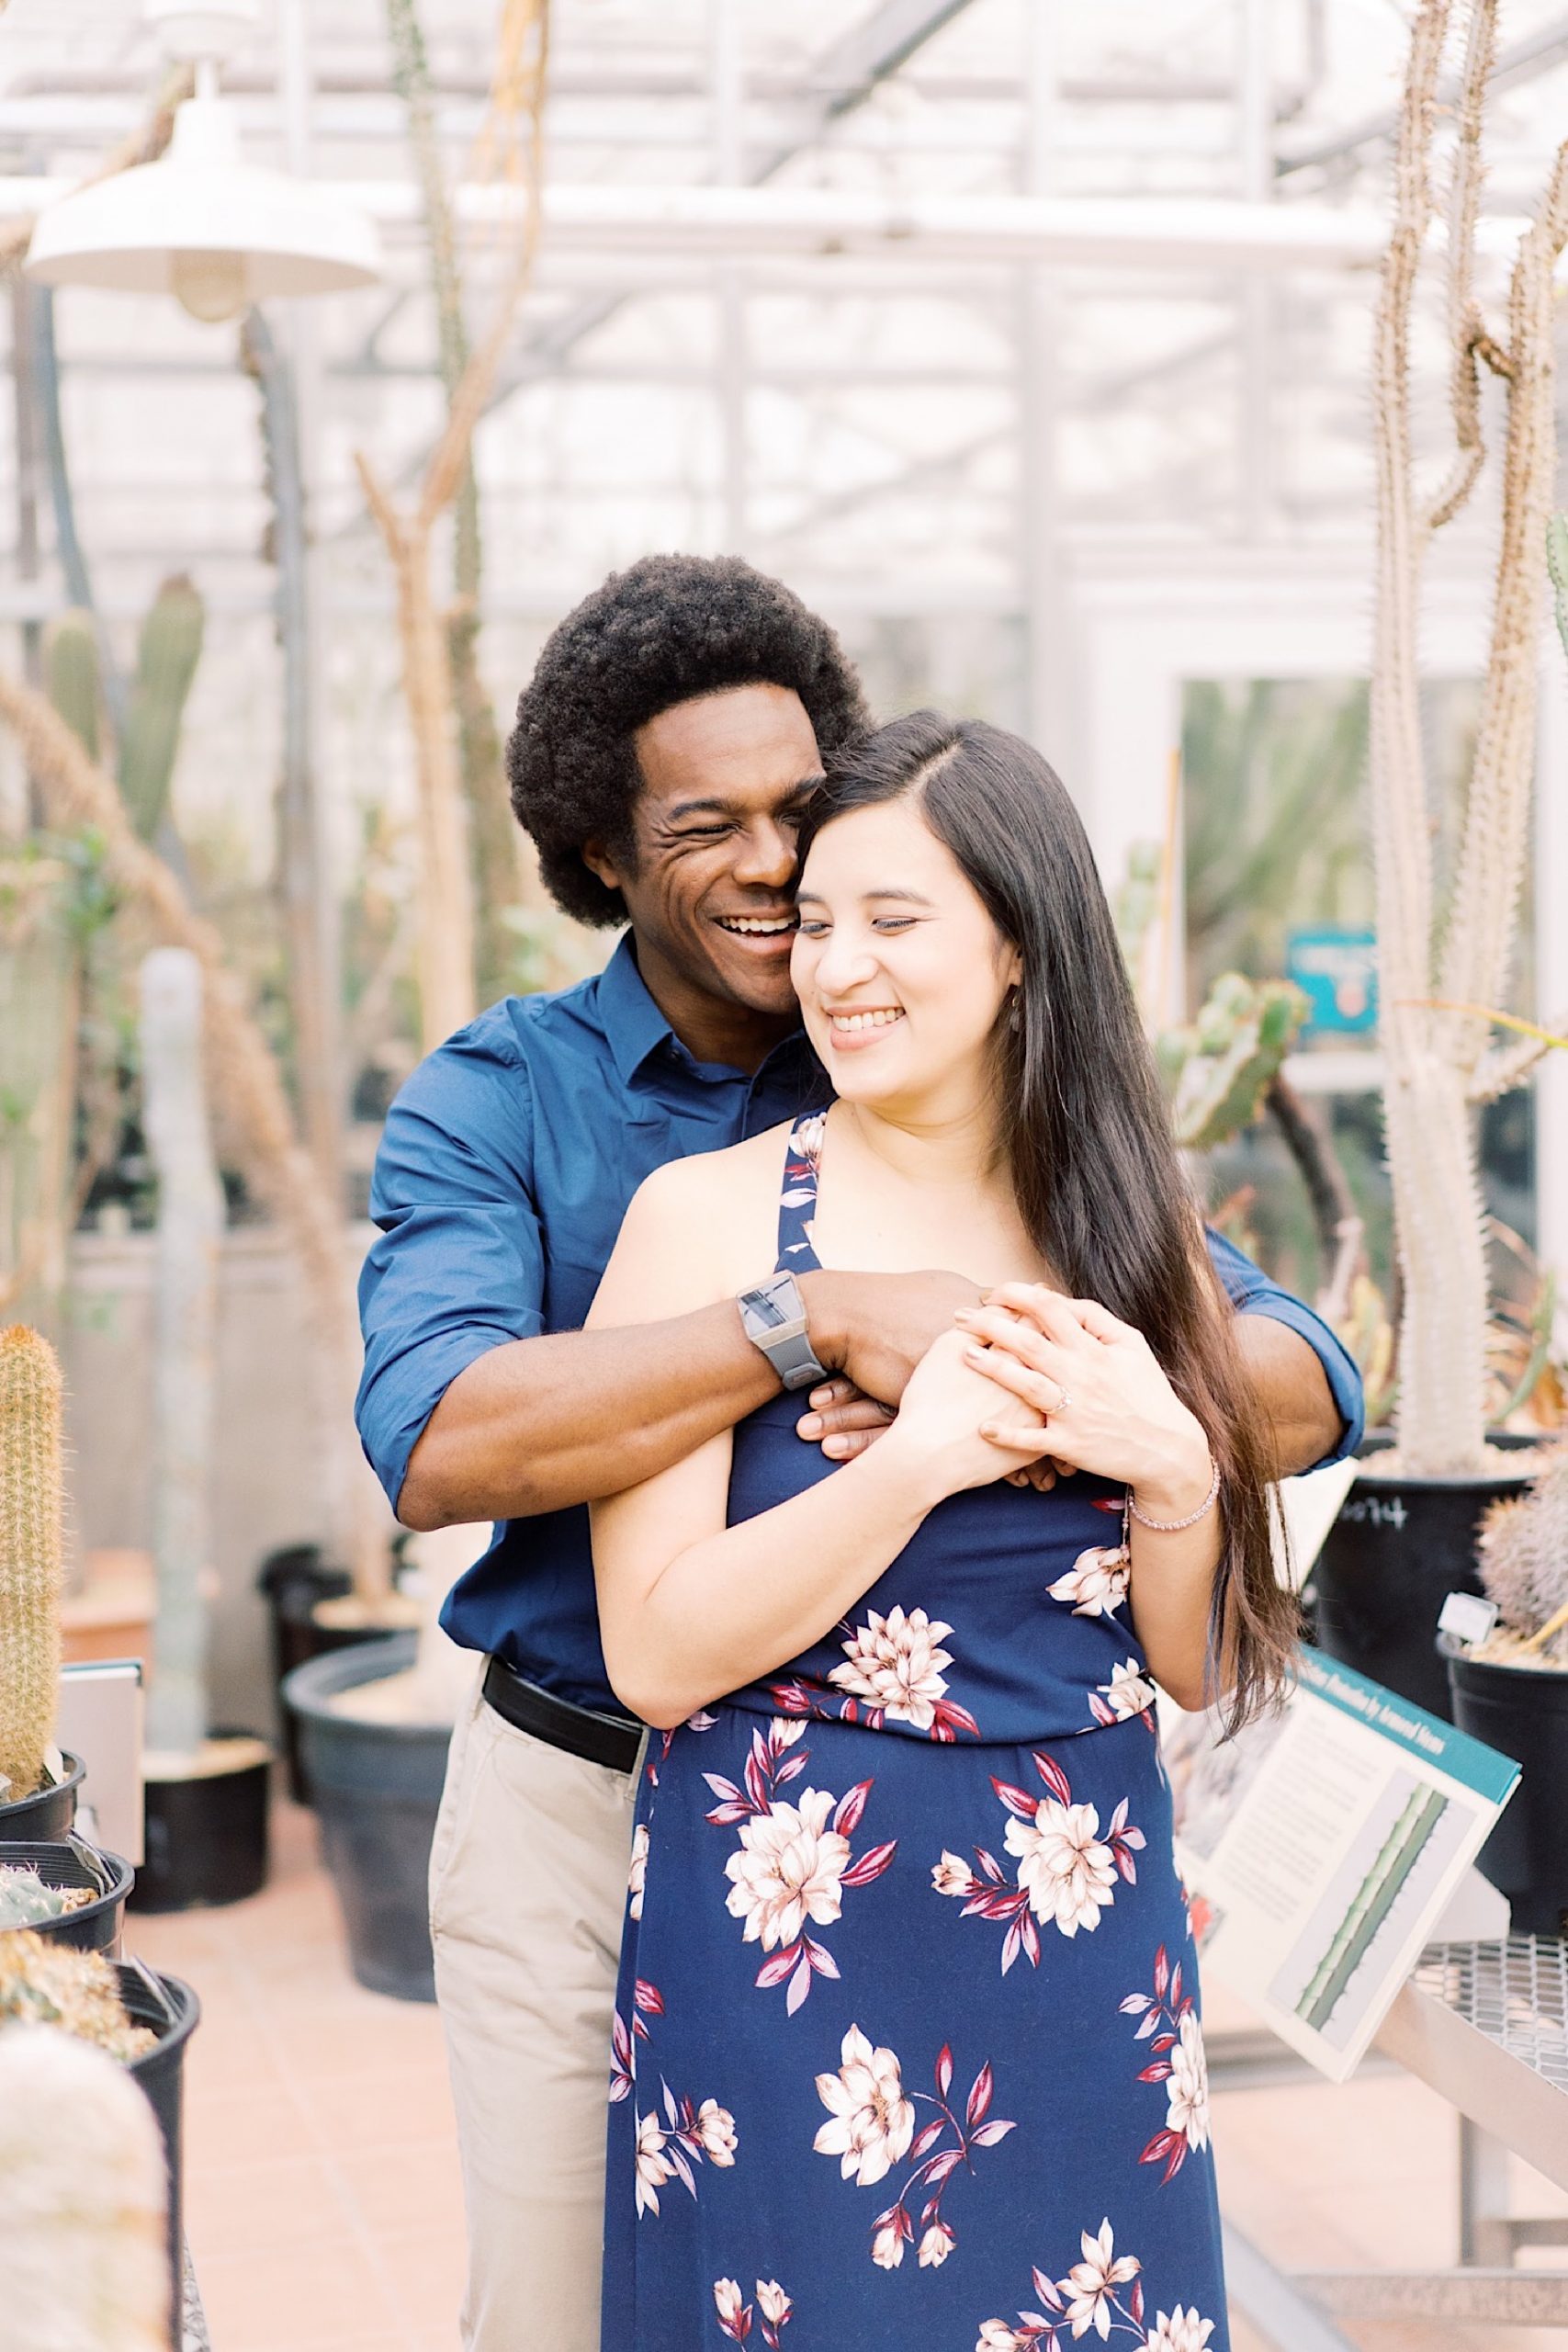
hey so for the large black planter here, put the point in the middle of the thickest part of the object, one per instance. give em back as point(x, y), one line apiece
point(294, 1583)
point(1522, 1712)
point(171, 2009)
point(205, 1834)
point(93, 1926)
point(376, 1787)
point(1398, 1548)
point(48, 1813)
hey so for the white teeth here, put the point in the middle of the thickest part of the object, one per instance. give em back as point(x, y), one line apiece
point(761, 927)
point(882, 1019)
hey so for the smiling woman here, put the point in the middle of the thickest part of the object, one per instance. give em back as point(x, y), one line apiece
point(906, 1637)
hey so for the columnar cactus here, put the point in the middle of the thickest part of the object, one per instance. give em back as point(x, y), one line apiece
point(83, 2196)
point(190, 1229)
point(1443, 956)
point(32, 1521)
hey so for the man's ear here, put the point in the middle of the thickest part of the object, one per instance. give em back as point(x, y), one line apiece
point(601, 864)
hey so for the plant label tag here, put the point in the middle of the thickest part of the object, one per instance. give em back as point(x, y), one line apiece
point(1467, 1617)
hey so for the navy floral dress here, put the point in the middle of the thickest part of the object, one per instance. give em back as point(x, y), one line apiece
point(906, 2045)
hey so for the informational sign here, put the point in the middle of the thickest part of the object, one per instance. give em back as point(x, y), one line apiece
point(1338, 970)
point(1321, 1848)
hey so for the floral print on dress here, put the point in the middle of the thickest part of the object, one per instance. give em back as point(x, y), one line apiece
point(773, 2310)
point(1066, 1870)
point(1090, 2297)
point(794, 1861)
point(647, 2001)
point(1129, 1692)
point(1095, 1584)
point(871, 2128)
point(672, 2150)
point(1170, 2023)
point(892, 1674)
point(637, 1876)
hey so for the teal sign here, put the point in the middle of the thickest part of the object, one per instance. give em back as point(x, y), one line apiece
point(1337, 970)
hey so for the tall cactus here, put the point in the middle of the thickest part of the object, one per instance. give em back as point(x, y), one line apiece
point(1438, 962)
point(167, 652)
point(82, 2197)
point(71, 671)
point(31, 1523)
point(190, 1227)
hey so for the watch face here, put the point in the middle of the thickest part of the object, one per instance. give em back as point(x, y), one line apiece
point(765, 1310)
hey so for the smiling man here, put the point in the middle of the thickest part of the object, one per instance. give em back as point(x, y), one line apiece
point(672, 728)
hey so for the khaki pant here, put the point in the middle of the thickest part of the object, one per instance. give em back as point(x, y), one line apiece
point(527, 1888)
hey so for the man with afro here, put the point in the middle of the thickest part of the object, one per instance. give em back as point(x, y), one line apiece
point(662, 751)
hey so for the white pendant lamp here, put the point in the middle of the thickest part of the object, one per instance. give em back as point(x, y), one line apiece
point(200, 223)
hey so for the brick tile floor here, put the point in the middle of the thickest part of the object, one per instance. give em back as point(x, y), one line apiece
point(322, 2189)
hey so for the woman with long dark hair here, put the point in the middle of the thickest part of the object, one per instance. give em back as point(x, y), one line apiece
point(907, 2048)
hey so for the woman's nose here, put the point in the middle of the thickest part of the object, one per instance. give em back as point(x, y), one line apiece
point(843, 964)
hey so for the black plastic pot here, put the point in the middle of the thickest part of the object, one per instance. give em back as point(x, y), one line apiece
point(96, 1926)
point(377, 1791)
point(291, 1581)
point(1522, 1712)
point(1398, 1548)
point(171, 2009)
point(206, 1836)
point(48, 1813)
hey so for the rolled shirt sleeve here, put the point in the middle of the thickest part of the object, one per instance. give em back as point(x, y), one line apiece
point(458, 1265)
point(1252, 1293)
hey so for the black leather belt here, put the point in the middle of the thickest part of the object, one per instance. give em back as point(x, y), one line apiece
point(610, 1740)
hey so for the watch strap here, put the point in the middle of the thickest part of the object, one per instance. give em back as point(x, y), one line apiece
point(773, 1317)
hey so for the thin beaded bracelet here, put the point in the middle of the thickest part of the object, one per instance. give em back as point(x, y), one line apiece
point(1175, 1526)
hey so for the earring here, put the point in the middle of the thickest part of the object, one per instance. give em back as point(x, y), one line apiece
point(1015, 1007)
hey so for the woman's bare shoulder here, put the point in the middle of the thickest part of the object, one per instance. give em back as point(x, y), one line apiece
point(712, 1215)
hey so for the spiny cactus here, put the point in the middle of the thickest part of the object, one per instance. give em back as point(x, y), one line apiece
point(70, 665)
point(26, 1900)
point(1223, 1063)
point(84, 2191)
point(49, 1983)
point(1523, 1557)
point(32, 1517)
point(167, 654)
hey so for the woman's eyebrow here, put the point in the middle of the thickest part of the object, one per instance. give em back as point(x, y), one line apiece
point(905, 898)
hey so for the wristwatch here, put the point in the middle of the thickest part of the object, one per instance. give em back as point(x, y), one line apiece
point(773, 1317)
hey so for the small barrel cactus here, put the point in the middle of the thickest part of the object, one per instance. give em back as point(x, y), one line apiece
point(1523, 1559)
point(31, 1522)
point(50, 1983)
point(25, 1899)
point(83, 2250)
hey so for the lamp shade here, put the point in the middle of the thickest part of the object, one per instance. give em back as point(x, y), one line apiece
point(204, 226)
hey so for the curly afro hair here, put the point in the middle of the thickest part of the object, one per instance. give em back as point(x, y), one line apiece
point(666, 630)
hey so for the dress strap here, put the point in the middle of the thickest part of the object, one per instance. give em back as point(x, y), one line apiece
point(797, 1198)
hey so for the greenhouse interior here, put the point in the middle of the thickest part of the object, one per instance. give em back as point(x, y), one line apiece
point(611, 610)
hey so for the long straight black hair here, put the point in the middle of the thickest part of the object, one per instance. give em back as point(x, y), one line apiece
point(1094, 1165)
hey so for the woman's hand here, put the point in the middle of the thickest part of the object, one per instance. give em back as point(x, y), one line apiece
point(1094, 1381)
point(939, 1431)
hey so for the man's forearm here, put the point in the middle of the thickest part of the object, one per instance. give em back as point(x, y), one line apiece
point(539, 1424)
point(536, 1425)
point(1292, 1387)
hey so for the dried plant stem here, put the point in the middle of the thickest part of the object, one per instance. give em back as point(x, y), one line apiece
point(249, 1089)
point(446, 930)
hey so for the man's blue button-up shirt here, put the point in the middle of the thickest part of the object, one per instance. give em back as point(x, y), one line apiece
point(503, 1174)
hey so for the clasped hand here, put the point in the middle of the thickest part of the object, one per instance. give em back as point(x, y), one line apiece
point(1085, 1381)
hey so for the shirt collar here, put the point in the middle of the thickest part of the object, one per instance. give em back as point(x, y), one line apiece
point(634, 1026)
point(636, 1029)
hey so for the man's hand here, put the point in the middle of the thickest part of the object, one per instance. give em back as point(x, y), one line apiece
point(875, 1328)
point(872, 1330)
